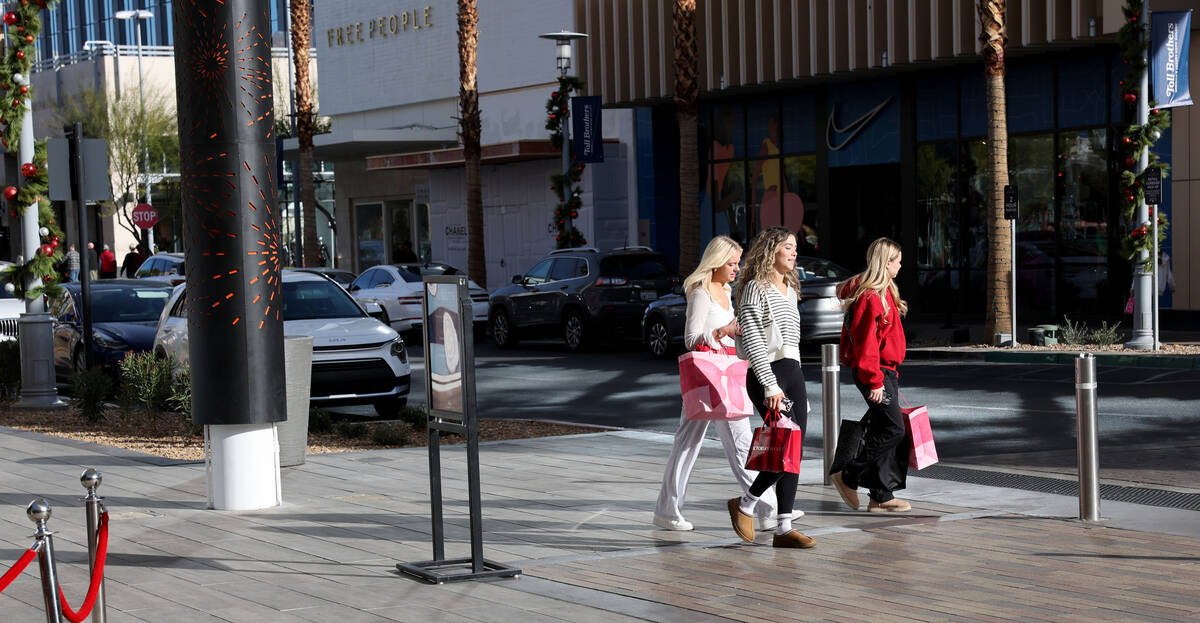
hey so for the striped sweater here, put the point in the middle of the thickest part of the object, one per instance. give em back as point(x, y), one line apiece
point(759, 306)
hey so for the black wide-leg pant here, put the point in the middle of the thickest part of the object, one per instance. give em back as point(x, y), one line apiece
point(790, 378)
point(882, 464)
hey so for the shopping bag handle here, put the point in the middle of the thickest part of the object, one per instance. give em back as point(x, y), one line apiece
point(906, 405)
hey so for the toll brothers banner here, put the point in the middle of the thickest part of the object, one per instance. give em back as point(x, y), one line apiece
point(1170, 32)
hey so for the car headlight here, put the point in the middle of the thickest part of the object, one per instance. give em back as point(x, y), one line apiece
point(109, 342)
point(398, 350)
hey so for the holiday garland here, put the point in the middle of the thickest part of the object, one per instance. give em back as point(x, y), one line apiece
point(565, 185)
point(23, 27)
point(1137, 137)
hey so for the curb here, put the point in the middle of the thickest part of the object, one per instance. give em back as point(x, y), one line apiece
point(1184, 362)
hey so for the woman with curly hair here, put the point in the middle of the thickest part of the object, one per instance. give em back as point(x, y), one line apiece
point(710, 325)
point(769, 317)
point(873, 347)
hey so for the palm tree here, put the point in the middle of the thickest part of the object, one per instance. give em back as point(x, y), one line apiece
point(995, 40)
point(301, 42)
point(468, 103)
point(686, 90)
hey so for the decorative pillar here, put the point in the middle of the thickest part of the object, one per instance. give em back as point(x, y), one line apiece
point(223, 85)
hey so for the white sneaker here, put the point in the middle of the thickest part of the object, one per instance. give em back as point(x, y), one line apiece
point(680, 525)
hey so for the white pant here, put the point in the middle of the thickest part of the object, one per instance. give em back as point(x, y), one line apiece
point(735, 437)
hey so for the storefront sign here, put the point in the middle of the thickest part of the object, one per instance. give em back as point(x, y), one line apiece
point(456, 237)
point(380, 27)
point(1170, 34)
point(588, 135)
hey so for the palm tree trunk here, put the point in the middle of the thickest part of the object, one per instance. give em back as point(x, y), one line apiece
point(686, 91)
point(468, 101)
point(301, 42)
point(999, 272)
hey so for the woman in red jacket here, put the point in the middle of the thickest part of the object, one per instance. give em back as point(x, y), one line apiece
point(873, 346)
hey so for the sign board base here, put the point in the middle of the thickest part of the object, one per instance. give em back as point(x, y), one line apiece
point(442, 571)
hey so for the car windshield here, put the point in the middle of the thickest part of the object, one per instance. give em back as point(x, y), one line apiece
point(808, 268)
point(305, 300)
point(132, 304)
point(635, 267)
point(431, 269)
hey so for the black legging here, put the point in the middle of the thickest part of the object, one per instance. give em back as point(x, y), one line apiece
point(882, 464)
point(790, 378)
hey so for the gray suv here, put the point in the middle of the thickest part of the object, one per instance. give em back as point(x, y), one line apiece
point(583, 295)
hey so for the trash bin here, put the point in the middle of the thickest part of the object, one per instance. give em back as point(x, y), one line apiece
point(297, 376)
point(1051, 333)
point(1037, 336)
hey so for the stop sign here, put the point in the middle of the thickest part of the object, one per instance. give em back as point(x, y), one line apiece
point(144, 216)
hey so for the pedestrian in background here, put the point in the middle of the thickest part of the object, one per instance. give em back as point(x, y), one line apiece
point(93, 261)
point(873, 347)
point(72, 258)
point(133, 261)
point(769, 317)
point(710, 325)
point(108, 264)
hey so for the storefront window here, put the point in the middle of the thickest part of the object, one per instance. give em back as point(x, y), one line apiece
point(1083, 187)
point(1031, 170)
point(938, 250)
point(368, 234)
point(803, 213)
point(402, 231)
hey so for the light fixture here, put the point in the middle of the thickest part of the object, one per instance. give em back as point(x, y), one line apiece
point(562, 41)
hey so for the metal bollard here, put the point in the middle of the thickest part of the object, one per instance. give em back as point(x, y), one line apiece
point(1086, 437)
point(91, 480)
point(831, 404)
point(39, 513)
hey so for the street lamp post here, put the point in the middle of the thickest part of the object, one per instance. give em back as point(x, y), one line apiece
point(562, 45)
point(141, 14)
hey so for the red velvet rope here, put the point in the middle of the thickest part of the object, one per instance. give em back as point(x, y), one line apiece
point(17, 568)
point(97, 577)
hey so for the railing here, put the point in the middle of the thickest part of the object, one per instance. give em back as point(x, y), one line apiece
point(82, 56)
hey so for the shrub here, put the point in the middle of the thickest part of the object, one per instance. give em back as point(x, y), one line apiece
point(319, 421)
point(413, 415)
point(10, 369)
point(179, 398)
point(90, 388)
point(1073, 333)
point(145, 382)
point(390, 435)
point(1106, 335)
point(351, 430)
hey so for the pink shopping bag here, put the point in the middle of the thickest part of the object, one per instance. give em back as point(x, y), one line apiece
point(916, 423)
point(713, 386)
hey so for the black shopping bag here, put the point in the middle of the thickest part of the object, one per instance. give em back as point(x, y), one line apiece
point(850, 443)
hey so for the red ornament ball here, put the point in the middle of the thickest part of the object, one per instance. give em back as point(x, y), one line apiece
point(28, 38)
point(16, 103)
point(45, 249)
point(29, 169)
point(24, 89)
point(11, 18)
point(21, 54)
point(10, 192)
point(1130, 98)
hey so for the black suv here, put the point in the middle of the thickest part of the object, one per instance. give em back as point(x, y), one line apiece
point(582, 294)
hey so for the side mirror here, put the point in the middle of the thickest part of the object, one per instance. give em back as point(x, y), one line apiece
point(518, 279)
point(375, 310)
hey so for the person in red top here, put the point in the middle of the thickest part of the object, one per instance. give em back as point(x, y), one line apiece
point(873, 346)
point(108, 264)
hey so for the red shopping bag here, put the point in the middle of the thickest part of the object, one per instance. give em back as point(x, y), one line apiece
point(713, 386)
point(916, 425)
point(775, 449)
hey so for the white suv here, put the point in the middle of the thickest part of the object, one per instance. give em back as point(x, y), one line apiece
point(356, 358)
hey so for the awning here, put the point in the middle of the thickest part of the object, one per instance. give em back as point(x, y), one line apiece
point(499, 153)
point(359, 143)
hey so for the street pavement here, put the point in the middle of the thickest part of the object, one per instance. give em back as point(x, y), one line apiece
point(573, 513)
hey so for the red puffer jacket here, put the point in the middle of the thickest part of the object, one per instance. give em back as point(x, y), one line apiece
point(871, 339)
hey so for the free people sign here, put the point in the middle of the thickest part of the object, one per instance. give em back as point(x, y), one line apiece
point(144, 216)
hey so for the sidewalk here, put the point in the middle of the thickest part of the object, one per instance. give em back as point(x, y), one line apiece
point(574, 514)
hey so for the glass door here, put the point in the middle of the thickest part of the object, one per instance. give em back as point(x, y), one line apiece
point(368, 234)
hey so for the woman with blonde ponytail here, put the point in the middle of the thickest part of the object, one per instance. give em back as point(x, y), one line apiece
point(710, 325)
point(873, 346)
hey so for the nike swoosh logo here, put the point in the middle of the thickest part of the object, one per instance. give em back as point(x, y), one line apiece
point(852, 128)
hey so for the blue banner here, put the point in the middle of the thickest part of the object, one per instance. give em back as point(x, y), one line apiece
point(1170, 32)
point(587, 133)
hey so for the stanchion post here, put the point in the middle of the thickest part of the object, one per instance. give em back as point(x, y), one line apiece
point(831, 409)
point(91, 480)
point(39, 513)
point(1088, 445)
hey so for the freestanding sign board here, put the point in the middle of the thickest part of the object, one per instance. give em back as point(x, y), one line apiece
point(450, 391)
point(1153, 185)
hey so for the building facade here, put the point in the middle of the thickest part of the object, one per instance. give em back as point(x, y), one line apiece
point(852, 119)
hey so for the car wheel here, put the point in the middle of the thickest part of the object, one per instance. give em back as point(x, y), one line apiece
point(658, 339)
point(503, 333)
point(573, 331)
point(390, 408)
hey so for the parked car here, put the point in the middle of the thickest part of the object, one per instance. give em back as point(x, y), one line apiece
point(11, 309)
point(397, 289)
point(581, 295)
point(342, 276)
point(124, 315)
point(165, 267)
point(356, 358)
point(820, 310)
